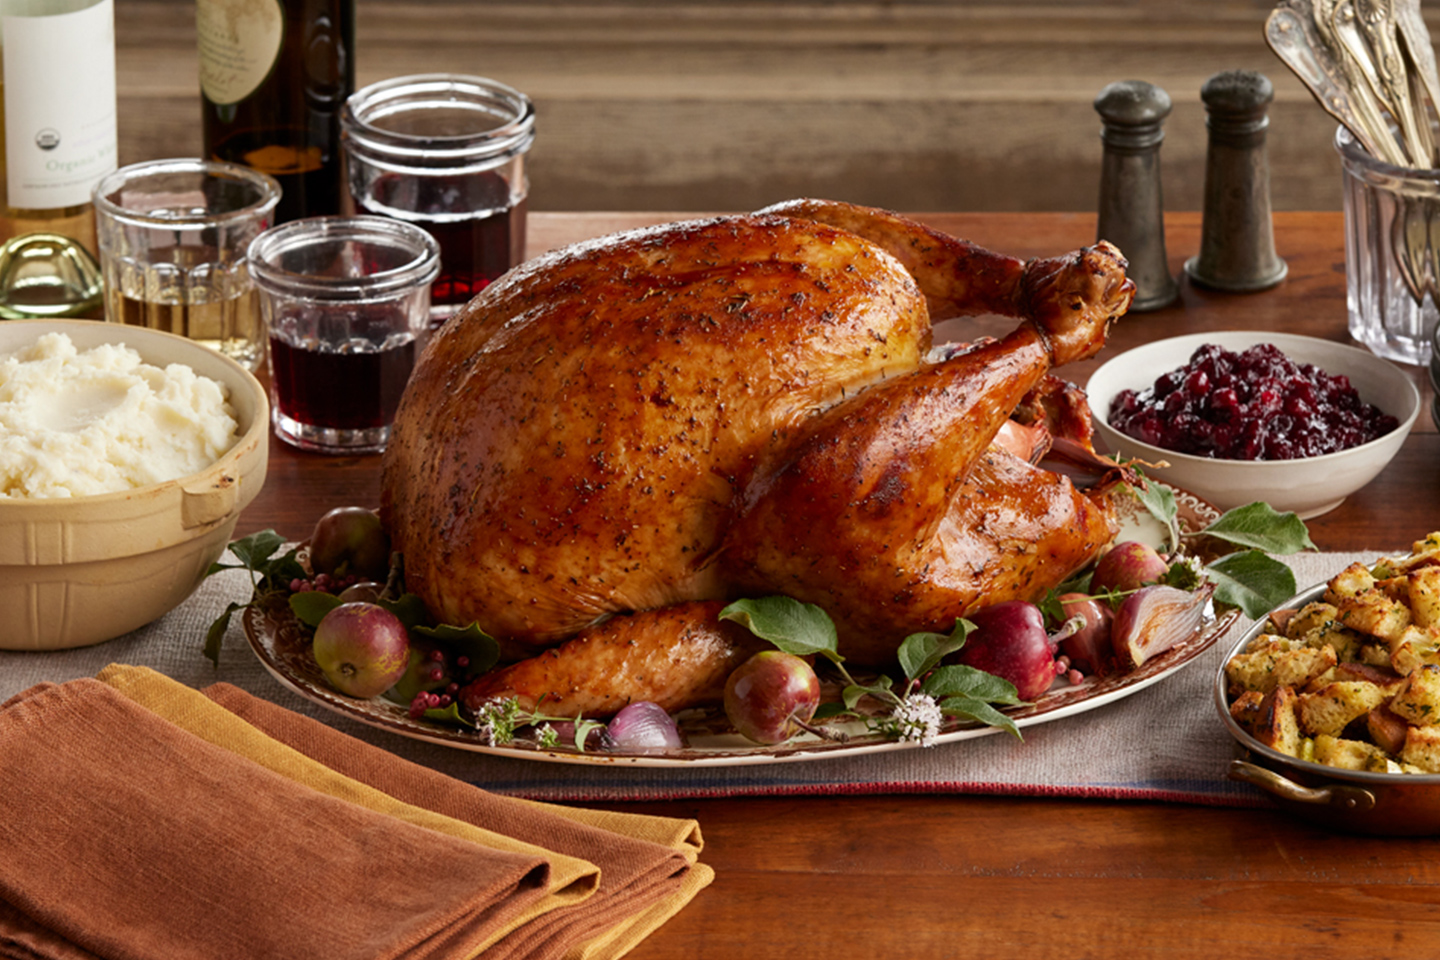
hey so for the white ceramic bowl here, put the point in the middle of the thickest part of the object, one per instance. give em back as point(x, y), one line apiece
point(1309, 486)
point(78, 571)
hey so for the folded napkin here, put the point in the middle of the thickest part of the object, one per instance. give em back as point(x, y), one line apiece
point(647, 865)
point(124, 836)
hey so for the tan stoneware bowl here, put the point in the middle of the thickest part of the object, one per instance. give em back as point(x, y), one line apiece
point(78, 571)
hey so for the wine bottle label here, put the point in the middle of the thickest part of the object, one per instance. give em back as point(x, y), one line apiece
point(59, 123)
point(239, 43)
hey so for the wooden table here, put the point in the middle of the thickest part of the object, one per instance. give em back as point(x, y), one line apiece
point(973, 876)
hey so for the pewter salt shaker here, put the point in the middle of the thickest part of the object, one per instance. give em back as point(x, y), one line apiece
point(1131, 209)
point(1237, 239)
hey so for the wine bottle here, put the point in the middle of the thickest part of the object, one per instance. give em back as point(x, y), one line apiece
point(57, 140)
point(273, 77)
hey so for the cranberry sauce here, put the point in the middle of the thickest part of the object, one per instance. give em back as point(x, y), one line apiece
point(1254, 405)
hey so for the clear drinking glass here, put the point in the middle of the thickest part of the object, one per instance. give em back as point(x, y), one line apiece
point(1392, 253)
point(346, 302)
point(445, 152)
point(173, 236)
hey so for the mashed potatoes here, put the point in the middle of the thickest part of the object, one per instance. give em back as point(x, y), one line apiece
point(78, 423)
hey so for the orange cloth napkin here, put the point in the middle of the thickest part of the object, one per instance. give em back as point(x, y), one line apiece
point(124, 836)
point(648, 865)
point(647, 869)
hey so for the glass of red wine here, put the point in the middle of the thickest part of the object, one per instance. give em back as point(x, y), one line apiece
point(445, 152)
point(346, 303)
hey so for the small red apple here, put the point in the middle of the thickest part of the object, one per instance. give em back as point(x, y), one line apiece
point(363, 649)
point(767, 693)
point(1128, 565)
point(1009, 641)
point(1089, 647)
point(350, 540)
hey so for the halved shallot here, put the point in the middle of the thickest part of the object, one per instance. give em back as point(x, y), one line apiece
point(1155, 618)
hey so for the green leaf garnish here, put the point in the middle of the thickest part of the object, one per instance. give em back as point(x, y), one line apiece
point(408, 609)
point(450, 714)
point(215, 636)
point(971, 708)
point(1260, 527)
point(1252, 581)
point(1158, 499)
point(920, 653)
point(794, 627)
point(310, 606)
point(256, 554)
point(960, 680)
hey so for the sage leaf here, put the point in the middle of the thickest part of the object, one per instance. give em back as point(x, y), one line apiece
point(215, 636)
point(794, 627)
point(450, 715)
point(922, 652)
point(409, 609)
point(310, 606)
point(1260, 527)
point(1252, 581)
point(1159, 501)
point(958, 680)
point(971, 708)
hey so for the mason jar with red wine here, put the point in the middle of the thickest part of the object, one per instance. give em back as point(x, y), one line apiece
point(445, 152)
point(346, 302)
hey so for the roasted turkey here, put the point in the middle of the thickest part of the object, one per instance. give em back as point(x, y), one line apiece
point(744, 406)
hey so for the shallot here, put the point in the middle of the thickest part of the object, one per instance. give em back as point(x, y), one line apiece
point(1155, 618)
point(643, 727)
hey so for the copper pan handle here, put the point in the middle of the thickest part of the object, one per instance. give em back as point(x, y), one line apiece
point(1336, 795)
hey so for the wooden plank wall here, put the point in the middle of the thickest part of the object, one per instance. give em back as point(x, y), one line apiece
point(712, 105)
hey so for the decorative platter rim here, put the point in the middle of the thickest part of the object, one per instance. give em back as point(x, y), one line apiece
point(282, 646)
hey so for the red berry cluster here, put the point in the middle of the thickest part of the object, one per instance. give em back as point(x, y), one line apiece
point(323, 582)
point(438, 672)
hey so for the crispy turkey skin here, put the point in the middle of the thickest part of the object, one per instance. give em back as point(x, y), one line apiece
point(737, 406)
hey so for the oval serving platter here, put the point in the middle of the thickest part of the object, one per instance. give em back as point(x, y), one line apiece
point(282, 644)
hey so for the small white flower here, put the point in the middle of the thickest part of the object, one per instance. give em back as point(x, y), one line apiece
point(917, 719)
point(496, 720)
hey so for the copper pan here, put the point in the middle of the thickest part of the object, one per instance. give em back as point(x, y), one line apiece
point(1350, 801)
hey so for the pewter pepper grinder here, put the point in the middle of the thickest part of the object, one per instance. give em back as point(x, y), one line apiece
point(1131, 211)
point(1237, 239)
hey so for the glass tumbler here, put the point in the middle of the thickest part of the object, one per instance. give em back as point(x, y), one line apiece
point(445, 152)
point(173, 236)
point(346, 301)
point(1392, 253)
